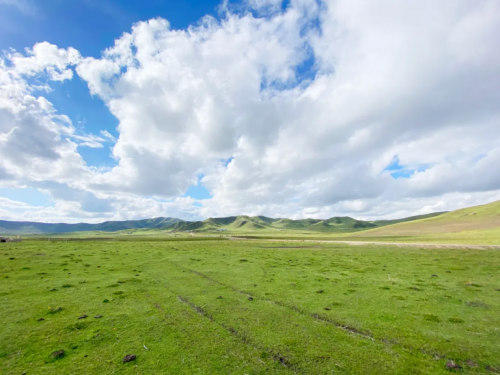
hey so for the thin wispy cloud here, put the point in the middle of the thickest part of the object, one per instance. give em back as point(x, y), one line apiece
point(24, 6)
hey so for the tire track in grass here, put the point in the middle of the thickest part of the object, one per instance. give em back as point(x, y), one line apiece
point(319, 317)
point(316, 316)
point(276, 356)
point(345, 327)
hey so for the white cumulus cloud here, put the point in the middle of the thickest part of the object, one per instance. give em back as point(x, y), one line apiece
point(293, 112)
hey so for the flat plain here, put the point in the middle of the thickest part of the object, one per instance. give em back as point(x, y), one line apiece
point(194, 306)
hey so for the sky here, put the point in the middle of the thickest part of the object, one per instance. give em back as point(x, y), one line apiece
point(118, 110)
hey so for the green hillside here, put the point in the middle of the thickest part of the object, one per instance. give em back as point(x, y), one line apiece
point(242, 223)
point(245, 223)
point(478, 218)
point(26, 227)
point(382, 223)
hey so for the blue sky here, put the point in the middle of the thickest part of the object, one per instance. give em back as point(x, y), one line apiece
point(90, 25)
point(399, 171)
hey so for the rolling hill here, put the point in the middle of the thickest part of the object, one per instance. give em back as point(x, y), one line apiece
point(240, 223)
point(28, 227)
point(484, 217)
point(256, 223)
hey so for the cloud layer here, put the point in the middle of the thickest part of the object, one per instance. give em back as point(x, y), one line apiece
point(323, 108)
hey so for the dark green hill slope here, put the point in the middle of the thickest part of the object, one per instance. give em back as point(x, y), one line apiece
point(254, 223)
point(231, 223)
point(27, 227)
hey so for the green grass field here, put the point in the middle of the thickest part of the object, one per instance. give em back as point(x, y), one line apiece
point(472, 237)
point(246, 307)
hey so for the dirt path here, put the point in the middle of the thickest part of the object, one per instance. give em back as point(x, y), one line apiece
point(398, 244)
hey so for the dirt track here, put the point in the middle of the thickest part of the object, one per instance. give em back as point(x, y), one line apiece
point(398, 244)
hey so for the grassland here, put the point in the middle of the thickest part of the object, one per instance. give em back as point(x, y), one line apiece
point(191, 306)
point(470, 237)
point(473, 237)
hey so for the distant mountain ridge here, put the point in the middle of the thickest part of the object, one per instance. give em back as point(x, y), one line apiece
point(243, 223)
point(29, 227)
point(233, 223)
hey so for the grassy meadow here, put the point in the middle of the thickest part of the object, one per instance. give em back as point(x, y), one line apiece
point(246, 307)
point(471, 237)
